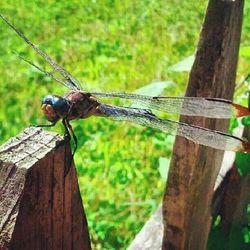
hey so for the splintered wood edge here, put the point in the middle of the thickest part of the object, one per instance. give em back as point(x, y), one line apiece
point(16, 156)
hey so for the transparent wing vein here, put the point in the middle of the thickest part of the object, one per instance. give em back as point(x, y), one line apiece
point(71, 82)
point(190, 106)
point(199, 135)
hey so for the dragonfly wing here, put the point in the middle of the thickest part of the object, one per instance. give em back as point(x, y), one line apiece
point(70, 81)
point(199, 135)
point(42, 70)
point(190, 106)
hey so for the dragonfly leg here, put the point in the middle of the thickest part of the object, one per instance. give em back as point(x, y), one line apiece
point(73, 135)
point(66, 133)
point(67, 137)
point(45, 125)
point(70, 133)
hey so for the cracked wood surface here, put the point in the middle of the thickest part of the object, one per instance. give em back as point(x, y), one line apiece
point(40, 203)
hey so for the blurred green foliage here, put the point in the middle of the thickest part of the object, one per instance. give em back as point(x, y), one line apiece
point(107, 45)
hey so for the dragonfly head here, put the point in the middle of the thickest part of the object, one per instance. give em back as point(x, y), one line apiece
point(55, 107)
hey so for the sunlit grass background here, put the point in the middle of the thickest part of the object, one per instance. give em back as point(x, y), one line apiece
point(107, 45)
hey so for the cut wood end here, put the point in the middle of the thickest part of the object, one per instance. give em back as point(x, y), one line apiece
point(29, 146)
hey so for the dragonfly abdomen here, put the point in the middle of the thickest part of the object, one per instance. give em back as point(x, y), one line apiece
point(116, 112)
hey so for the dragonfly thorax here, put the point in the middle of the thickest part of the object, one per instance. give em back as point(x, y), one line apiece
point(55, 107)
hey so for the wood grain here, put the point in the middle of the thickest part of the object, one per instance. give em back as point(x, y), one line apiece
point(40, 205)
point(194, 168)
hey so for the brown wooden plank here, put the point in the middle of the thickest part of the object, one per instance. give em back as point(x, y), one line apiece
point(193, 170)
point(40, 205)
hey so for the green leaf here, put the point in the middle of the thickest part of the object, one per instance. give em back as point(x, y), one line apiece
point(183, 66)
point(164, 167)
point(242, 162)
point(245, 121)
point(233, 124)
point(152, 89)
point(155, 88)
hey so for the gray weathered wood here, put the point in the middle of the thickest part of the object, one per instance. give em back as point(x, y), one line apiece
point(194, 168)
point(150, 236)
point(40, 203)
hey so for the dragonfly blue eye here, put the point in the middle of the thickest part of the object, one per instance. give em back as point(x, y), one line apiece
point(49, 99)
point(57, 102)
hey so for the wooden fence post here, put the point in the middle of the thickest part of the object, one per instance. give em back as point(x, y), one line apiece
point(40, 202)
point(194, 168)
point(150, 236)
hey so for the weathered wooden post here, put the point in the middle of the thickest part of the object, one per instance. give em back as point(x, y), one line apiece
point(194, 168)
point(40, 202)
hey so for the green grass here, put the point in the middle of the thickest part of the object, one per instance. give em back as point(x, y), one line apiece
point(107, 45)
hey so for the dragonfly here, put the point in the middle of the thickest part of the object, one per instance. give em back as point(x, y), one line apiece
point(80, 104)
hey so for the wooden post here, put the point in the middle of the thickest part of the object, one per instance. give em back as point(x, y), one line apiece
point(40, 202)
point(193, 169)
